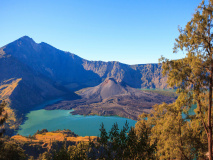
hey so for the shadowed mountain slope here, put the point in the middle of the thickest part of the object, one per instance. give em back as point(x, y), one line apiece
point(62, 67)
point(32, 88)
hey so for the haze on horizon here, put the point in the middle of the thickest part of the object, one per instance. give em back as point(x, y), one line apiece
point(132, 32)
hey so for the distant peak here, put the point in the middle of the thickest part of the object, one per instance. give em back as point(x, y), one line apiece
point(23, 42)
point(26, 38)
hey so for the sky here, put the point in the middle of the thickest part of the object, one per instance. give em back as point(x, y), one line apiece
point(128, 31)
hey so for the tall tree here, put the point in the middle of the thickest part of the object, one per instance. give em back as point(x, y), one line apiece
point(103, 137)
point(114, 135)
point(123, 137)
point(193, 75)
point(146, 145)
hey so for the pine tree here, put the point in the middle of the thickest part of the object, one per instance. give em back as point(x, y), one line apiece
point(122, 142)
point(103, 137)
point(114, 135)
point(132, 144)
point(145, 148)
point(123, 136)
point(193, 75)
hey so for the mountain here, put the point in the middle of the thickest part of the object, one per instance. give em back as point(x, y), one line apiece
point(74, 72)
point(62, 67)
point(32, 73)
point(113, 98)
point(23, 88)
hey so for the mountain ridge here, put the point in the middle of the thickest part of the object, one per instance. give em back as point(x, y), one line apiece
point(81, 71)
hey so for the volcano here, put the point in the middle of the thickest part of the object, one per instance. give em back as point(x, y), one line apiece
point(110, 87)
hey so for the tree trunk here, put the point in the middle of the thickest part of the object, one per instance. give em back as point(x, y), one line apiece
point(209, 115)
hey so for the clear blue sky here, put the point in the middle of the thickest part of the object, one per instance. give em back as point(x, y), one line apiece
point(129, 31)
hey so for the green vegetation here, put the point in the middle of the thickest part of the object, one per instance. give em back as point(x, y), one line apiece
point(3, 117)
point(8, 149)
point(175, 138)
point(193, 75)
point(169, 92)
point(124, 144)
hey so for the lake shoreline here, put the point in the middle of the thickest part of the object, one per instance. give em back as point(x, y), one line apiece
point(62, 119)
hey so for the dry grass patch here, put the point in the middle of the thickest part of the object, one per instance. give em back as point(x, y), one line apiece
point(46, 137)
point(52, 136)
point(82, 139)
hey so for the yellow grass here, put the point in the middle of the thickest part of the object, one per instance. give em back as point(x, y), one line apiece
point(81, 139)
point(50, 136)
point(46, 137)
point(11, 119)
point(21, 138)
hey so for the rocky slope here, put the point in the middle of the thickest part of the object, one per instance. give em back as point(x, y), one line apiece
point(137, 76)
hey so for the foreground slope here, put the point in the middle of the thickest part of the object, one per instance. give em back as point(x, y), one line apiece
point(44, 141)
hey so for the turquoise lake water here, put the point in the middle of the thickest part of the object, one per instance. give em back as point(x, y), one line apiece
point(62, 119)
point(52, 120)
